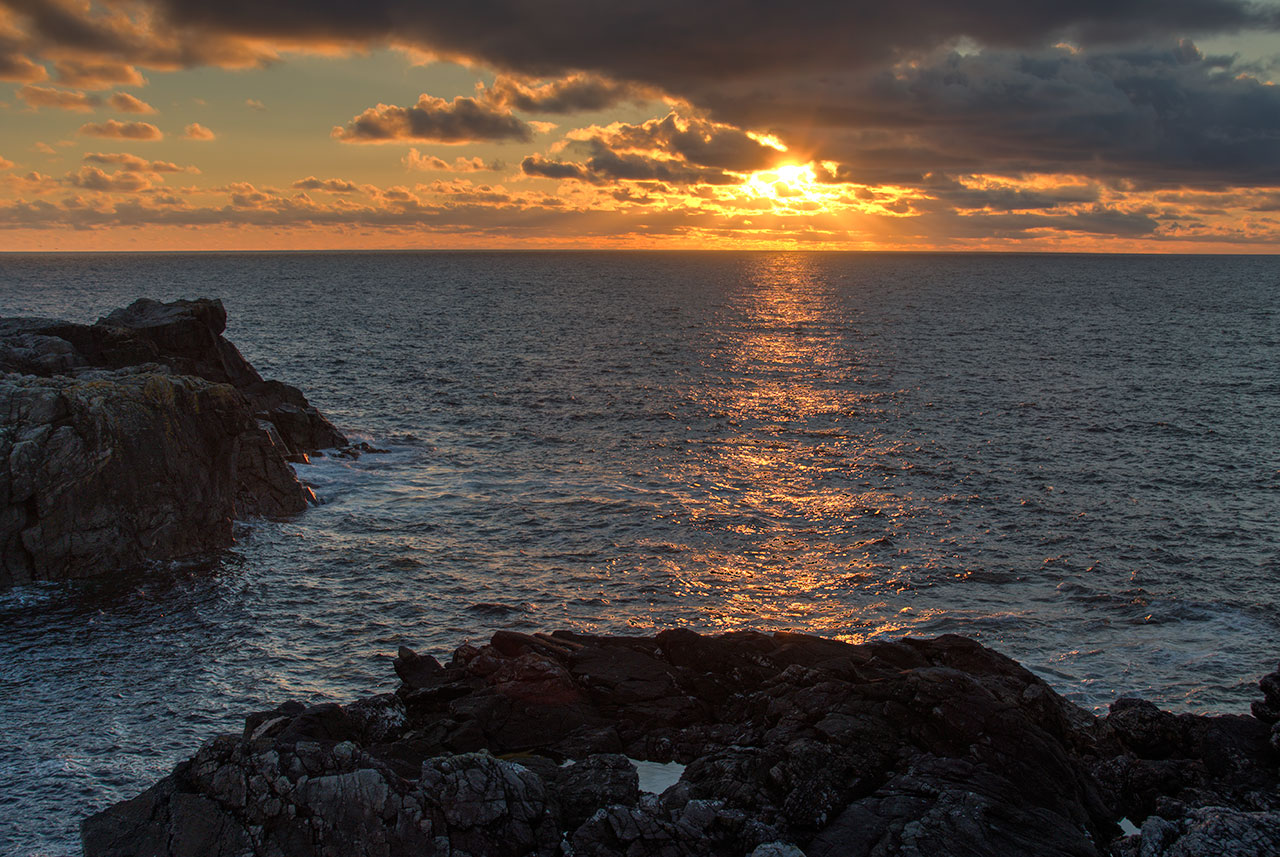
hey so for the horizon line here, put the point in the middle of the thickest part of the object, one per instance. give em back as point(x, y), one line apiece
point(635, 250)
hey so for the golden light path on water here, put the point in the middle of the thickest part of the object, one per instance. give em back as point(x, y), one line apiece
point(800, 470)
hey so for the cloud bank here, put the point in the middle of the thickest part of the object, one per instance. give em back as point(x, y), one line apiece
point(991, 119)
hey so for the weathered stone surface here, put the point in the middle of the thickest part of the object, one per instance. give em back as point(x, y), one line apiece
point(1205, 832)
point(1176, 761)
point(109, 470)
point(1267, 709)
point(793, 745)
point(416, 670)
point(604, 779)
point(138, 438)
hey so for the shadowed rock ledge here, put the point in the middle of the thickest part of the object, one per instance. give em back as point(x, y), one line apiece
point(794, 745)
point(139, 438)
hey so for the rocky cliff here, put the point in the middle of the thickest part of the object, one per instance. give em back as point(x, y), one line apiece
point(794, 745)
point(139, 438)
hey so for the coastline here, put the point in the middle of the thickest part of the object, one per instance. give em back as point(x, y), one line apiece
point(487, 606)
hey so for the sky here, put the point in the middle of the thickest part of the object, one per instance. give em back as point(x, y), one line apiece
point(1096, 125)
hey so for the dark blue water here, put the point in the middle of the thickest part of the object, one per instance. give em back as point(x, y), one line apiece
point(1074, 459)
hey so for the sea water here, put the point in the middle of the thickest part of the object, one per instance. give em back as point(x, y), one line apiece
point(1074, 459)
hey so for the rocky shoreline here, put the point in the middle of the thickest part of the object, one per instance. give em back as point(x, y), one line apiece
point(138, 439)
point(793, 745)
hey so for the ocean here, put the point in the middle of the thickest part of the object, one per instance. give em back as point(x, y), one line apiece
point(1073, 459)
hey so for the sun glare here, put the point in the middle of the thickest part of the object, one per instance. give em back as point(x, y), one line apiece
point(795, 188)
point(788, 182)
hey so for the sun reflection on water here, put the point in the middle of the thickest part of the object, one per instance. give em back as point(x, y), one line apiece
point(801, 477)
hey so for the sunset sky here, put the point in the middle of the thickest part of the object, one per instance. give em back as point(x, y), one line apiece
point(1108, 125)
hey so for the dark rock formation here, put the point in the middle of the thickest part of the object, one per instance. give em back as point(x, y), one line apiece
point(1197, 780)
point(794, 745)
point(1268, 708)
point(139, 438)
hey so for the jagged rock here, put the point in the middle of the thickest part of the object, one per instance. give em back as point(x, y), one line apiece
point(1205, 832)
point(416, 670)
point(184, 335)
point(776, 849)
point(1176, 761)
point(108, 470)
point(604, 779)
point(794, 745)
point(302, 427)
point(138, 438)
point(1267, 709)
point(379, 718)
point(187, 336)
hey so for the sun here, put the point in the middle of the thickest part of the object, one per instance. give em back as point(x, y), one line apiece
point(791, 186)
point(795, 173)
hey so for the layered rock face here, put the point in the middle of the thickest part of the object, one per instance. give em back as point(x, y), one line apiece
point(794, 745)
point(139, 438)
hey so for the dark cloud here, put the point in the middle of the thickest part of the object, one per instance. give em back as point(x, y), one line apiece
point(1003, 198)
point(1097, 221)
point(607, 164)
point(330, 185)
point(695, 141)
point(674, 149)
point(17, 67)
point(65, 25)
point(97, 45)
point(540, 167)
point(1149, 115)
point(671, 42)
point(826, 76)
point(603, 165)
point(463, 120)
point(990, 126)
point(1156, 115)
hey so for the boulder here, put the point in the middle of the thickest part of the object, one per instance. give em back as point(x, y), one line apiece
point(110, 470)
point(139, 438)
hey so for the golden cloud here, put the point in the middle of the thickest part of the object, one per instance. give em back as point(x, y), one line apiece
point(90, 74)
point(463, 120)
point(126, 103)
point(116, 130)
point(415, 160)
point(37, 97)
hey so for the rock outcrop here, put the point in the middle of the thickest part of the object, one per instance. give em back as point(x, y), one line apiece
point(793, 745)
point(139, 438)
